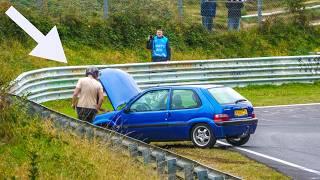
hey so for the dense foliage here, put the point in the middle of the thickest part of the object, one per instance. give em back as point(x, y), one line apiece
point(129, 28)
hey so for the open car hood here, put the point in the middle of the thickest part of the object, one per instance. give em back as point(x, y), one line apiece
point(119, 86)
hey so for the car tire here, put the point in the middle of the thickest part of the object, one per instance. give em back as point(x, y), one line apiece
point(202, 136)
point(238, 141)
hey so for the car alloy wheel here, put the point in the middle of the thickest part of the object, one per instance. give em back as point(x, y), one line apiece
point(202, 136)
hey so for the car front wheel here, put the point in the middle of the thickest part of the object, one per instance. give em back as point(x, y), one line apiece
point(238, 141)
point(202, 136)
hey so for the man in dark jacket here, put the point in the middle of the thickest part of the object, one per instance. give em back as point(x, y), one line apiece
point(234, 13)
point(208, 12)
point(159, 46)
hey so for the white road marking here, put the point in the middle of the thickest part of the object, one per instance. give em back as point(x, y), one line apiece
point(290, 105)
point(272, 158)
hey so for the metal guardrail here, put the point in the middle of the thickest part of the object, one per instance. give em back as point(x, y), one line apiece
point(167, 163)
point(277, 12)
point(58, 83)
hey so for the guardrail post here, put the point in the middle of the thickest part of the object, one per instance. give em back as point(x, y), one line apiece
point(89, 133)
point(146, 154)
point(202, 174)
point(53, 116)
point(35, 109)
point(45, 114)
point(115, 141)
point(106, 138)
point(160, 159)
point(188, 172)
point(30, 108)
point(133, 150)
point(73, 125)
point(80, 131)
point(64, 123)
point(172, 168)
point(216, 177)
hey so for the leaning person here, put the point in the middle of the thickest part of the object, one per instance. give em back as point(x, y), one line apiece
point(88, 95)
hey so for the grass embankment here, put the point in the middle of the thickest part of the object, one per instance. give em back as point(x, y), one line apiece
point(30, 147)
point(230, 161)
point(121, 38)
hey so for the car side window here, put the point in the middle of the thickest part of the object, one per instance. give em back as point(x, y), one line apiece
point(184, 99)
point(151, 101)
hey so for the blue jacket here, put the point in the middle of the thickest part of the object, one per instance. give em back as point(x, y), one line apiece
point(160, 48)
point(208, 8)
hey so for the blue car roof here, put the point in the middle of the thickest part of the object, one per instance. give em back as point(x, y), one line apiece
point(188, 87)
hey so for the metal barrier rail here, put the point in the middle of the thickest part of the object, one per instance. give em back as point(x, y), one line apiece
point(58, 83)
point(167, 163)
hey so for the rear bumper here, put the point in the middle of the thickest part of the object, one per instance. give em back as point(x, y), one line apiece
point(249, 122)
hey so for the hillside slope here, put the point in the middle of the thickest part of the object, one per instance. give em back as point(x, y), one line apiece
point(121, 38)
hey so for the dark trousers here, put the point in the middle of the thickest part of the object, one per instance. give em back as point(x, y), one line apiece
point(234, 23)
point(207, 22)
point(86, 114)
point(159, 59)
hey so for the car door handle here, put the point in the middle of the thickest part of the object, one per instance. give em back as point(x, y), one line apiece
point(167, 115)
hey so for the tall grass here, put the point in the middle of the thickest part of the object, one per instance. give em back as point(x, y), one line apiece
point(33, 148)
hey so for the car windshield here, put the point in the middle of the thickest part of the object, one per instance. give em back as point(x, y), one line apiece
point(123, 105)
point(226, 95)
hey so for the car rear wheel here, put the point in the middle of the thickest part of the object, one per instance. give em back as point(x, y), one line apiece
point(238, 141)
point(202, 136)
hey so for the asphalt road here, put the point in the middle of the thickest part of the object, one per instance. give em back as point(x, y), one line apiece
point(288, 139)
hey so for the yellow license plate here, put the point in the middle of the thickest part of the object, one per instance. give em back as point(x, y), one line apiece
point(241, 112)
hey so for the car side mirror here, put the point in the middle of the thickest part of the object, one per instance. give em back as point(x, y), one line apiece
point(126, 110)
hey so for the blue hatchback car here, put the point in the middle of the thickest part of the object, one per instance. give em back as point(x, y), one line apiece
point(201, 114)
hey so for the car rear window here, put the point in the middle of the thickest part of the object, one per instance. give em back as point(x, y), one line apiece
point(225, 95)
point(184, 99)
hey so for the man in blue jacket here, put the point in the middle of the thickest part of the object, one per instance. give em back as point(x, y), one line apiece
point(208, 12)
point(159, 46)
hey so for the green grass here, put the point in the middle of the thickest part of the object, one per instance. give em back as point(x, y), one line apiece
point(64, 106)
point(30, 146)
point(281, 95)
point(61, 155)
point(226, 160)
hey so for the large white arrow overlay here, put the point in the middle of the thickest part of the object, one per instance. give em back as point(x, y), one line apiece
point(49, 46)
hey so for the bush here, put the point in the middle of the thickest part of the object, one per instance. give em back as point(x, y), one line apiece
point(128, 27)
point(297, 8)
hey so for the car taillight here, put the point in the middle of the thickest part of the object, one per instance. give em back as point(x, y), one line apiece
point(253, 115)
point(221, 117)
